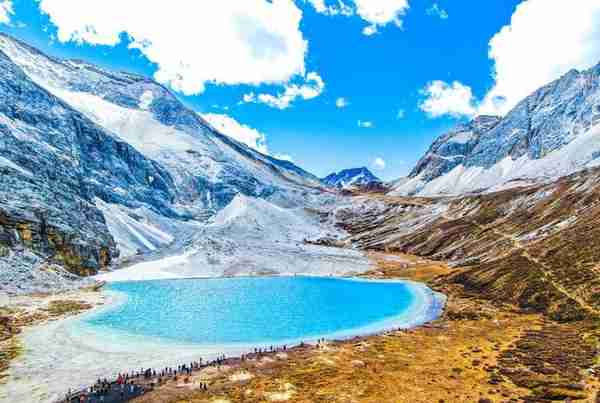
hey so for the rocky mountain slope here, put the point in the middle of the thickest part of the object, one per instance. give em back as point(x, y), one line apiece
point(553, 132)
point(99, 165)
point(535, 246)
point(353, 177)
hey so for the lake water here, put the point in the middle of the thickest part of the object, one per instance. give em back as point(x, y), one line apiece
point(259, 311)
point(153, 324)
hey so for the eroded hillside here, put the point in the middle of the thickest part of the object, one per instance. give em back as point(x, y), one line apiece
point(536, 247)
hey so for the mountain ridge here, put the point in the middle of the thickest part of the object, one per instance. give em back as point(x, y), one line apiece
point(525, 146)
point(350, 177)
point(102, 166)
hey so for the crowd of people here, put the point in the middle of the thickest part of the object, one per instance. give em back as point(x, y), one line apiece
point(127, 386)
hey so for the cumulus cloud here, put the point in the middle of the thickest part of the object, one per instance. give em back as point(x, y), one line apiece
point(400, 114)
point(378, 164)
point(312, 87)
point(377, 13)
point(337, 8)
point(341, 102)
point(193, 42)
point(437, 11)
point(544, 40)
point(240, 132)
point(370, 30)
point(453, 99)
point(365, 124)
point(6, 10)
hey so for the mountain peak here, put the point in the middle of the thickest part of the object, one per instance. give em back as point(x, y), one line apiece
point(550, 133)
point(350, 177)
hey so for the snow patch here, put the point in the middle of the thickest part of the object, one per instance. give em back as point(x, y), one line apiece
point(252, 236)
point(133, 230)
point(146, 100)
point(580, 153)
point(462, 137)
point(5, 162)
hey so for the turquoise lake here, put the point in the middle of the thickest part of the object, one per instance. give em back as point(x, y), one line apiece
point(255, 311)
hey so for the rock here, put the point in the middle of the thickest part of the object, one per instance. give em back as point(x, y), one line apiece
point(550, 119)
point(71, 155)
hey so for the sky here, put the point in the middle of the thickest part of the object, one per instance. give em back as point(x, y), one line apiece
point(328, 84)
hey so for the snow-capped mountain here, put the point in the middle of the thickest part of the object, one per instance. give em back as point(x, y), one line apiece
point(551, 133)
point(353, 177)
point(96, 164)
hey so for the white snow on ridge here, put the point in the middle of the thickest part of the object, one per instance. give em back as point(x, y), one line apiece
point(5, 162)
point(462, 137)
point(186, 153)
point(252, 237)
point(133, 235)
point(582, 152)
point(146, 100)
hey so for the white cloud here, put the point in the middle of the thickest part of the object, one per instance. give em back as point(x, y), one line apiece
point(438, 11)
point(453, 99)
point(194, 42)
point(379, 13)
point(378, 164)
point(400, 114)
point(366, 124)
point(341, 102)
point(240, 132)
point(339, 8)
point(312, 87)
point(6, 10)
point(250, 97)
point(370, 30)
point(544, 40)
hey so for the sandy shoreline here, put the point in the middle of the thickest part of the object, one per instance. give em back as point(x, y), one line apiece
point(80, 354)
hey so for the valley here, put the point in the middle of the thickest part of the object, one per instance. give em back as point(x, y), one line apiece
point(134, 235)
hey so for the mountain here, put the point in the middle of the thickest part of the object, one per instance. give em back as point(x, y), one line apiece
point(536, 246)
point(553, 132)
point(100, 166)
point(353, 177)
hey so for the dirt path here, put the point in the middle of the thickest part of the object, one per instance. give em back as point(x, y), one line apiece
point(546, 271)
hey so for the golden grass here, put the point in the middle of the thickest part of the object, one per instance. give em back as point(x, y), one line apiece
point(455, 359)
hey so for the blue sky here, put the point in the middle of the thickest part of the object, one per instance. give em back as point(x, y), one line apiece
point(436, 51)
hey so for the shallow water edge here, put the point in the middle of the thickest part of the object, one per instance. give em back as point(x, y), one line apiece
point(79, 354)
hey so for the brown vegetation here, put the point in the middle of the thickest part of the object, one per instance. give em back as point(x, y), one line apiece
point(478, 352)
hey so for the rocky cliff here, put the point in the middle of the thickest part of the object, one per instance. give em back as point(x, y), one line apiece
point(551, 133)
point(96, 165)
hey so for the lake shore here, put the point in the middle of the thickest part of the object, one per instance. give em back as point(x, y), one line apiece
point(70, 351)
point(476, 351)
point(20, 314)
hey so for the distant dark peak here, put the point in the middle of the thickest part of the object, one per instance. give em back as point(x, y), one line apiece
point(351, 177)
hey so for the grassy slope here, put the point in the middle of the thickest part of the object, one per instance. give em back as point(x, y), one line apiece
point(521, 323)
